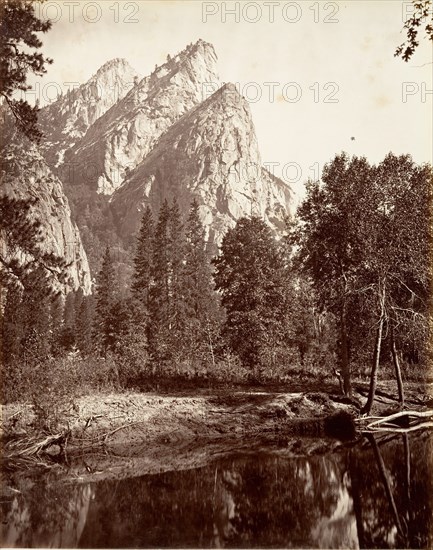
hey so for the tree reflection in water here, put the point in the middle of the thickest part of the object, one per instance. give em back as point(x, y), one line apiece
point(391, 489)
point(375, 495)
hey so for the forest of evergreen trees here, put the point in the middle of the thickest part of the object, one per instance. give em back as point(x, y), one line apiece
point(346, 288)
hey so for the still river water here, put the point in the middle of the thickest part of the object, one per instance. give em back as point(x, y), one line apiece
point(376, 494)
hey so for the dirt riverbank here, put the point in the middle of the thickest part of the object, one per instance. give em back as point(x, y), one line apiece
point(117, 434)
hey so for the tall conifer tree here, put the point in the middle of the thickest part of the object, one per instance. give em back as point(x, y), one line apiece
point(200, 299)
point(105, 298)
point(176, 250)
point(142, 278)
point(159, 295)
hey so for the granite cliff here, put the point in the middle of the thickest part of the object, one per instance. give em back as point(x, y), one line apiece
point(25, 175)
point(66, 120)
point(210, 154)
point(125, 134)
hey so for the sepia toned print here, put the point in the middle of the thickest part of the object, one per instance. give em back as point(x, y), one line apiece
point(215, 271)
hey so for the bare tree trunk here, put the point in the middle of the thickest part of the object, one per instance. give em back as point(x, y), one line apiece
point(397, 368)
point(376, 355)
point(345, 366)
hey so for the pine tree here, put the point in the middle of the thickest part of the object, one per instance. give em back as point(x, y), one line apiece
point(200, 298)
point(26, 336)
point(105, 297)
point(159, 295)
point(23, 256)
point(176, 250)
point(68, 332)
point(11, 345)
point(143, 271)
point(131, 347)
point(166, 298)
point(37, 325)
point(26, 332)
point(18, 31)
point(57, 312)
point(119, 322)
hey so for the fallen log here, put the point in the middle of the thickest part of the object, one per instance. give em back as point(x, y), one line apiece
point(421, 426)
point(401, 414)
point(27, 449)
point(400, 422)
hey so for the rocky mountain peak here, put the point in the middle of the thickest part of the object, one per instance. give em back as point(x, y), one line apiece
point(117, 63)
point(122, 137)
point(200, 45)
point(67, 119)
point(210, 154)
point(227, 97)
point(198, 59)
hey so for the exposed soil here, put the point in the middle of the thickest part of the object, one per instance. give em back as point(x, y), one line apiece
point(119, 435)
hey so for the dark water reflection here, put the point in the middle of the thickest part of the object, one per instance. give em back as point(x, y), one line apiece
point(371, 496)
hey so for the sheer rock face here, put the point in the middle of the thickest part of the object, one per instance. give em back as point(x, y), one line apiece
point(66, 120)
point(26, 175)
point(125, 134)
point(211, 154)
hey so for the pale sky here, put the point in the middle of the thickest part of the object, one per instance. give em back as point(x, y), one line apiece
point(332, 80)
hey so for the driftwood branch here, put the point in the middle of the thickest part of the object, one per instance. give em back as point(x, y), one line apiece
point(38, 446)
point(395, 429)
point(417, 414)
point(413, 420)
